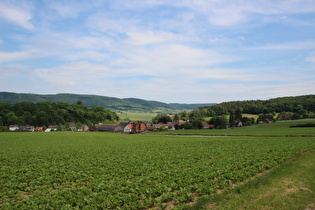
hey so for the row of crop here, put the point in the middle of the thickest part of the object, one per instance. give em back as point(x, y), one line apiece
point(102, 170)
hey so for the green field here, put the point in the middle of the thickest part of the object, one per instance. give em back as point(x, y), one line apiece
point(281, 128)
point(103, 170)
point(134, 115)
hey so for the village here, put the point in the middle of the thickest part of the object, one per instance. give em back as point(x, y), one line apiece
point(120, 127)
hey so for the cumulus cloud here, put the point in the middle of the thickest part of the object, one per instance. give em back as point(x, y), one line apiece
point(207, 48)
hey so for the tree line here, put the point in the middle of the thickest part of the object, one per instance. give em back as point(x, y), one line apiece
point(48, 113)
point(301, 106)
point(285, 108)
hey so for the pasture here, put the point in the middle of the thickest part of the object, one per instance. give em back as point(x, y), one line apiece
point(104, 170)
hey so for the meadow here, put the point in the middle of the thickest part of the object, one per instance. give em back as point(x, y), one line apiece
point(103, 170)
point(134, 115)
point(279, 129)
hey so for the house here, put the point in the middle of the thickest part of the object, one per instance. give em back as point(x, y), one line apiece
point(96, 126)
point(147, 123)
point(138, 127)
point(211, 126)
point(168, 126)
point(72, 128)
point(29, 128)
point(117, 128)
point(128, 128)
point(205, 125)
point(267, 121)
point(39, 129)
point(235, 124)
point(85, 128)
point(13, 127)
point(151, 128)
point(120, 127)
point(107, 127)
point(51, 127)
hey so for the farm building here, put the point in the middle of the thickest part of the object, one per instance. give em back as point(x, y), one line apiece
point(39, 129)
point(13, 127)
point(116, 128)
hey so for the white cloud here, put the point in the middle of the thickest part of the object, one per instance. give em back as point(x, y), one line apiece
point(311, 57)
point(231, 13)
point(20, 55)
point(18, 13)
point(172, 59)
point(77, 73)
point(149, 37)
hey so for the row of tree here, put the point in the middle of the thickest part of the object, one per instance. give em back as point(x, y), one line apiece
point(48, 113)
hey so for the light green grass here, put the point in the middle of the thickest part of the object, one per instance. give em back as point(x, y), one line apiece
point(289, 186)
point(281, 128)
point(134, 116)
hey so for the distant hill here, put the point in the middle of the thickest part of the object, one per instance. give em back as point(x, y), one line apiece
point(190, 106)
point(111, 103)
point(297, 104)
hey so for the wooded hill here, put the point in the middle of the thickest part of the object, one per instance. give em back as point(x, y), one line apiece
point(298, 104)
point(47, 113)
point(126, 104)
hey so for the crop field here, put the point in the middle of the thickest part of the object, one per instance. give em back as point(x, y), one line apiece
point(103, 170)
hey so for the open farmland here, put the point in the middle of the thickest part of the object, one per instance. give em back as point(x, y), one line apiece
point(104, 170)
point(279, 129)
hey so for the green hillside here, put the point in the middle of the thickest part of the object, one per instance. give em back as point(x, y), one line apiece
point(87, 100)
point(112, 103)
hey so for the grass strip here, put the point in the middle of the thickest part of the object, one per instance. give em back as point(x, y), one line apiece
point(289, 186)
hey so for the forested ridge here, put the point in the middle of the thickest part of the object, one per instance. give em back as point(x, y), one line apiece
point(298, 104)
point(112, 103)
point(48, 113)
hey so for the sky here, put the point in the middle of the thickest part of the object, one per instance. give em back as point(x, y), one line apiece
point(196, 51)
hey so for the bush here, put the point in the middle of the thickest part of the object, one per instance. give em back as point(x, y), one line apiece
point(303, 125)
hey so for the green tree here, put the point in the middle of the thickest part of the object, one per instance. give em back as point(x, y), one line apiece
point(79, 103)
point(176, 118)
point(197, 124)
point(238, 115)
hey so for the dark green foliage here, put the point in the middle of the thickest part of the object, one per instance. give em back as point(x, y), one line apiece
point(303, 125)
point(248, 121)
point(176, 118)
point(161, 118)
point(189, 106)
point(186, 125)
point(164, 119)
point(197, 124)
point(48, 113)
point(303, 105)
point(237, 115)
point(112, 103)
point(220, 122)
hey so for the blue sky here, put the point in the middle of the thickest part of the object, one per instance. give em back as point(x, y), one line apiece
point(169, 51)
